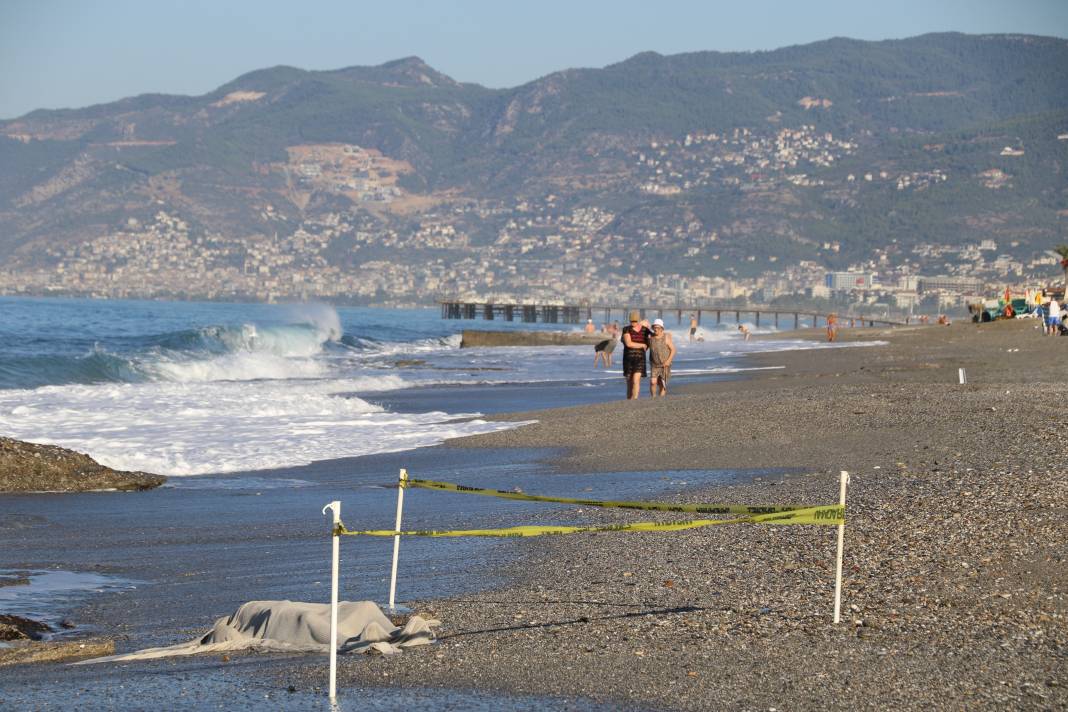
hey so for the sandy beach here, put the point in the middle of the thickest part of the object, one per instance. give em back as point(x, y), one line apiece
point(955, 545)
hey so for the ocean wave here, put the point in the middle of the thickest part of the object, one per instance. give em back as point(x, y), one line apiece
point(210, 353)
point(285, 340)
point(235, 367)
point(97, 366)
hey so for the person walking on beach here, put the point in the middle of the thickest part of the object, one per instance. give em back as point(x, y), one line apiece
point(661, 354)
point(693, 327)
point(1053, 321)
point(635, 343)
point(832, 327)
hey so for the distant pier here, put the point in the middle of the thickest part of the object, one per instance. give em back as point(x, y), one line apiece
point(533, 313)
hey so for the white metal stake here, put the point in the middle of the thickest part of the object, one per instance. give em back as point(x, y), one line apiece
point(396, 539)
point(841, 543)
point(962, 375)
point(336, 507)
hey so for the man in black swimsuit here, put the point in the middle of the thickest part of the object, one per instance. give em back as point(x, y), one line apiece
point(635, 343)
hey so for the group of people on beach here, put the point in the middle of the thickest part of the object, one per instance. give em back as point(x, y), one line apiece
point(640, 339)
point(648, 350)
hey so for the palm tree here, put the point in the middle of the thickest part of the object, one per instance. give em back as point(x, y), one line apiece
point(1062, 252)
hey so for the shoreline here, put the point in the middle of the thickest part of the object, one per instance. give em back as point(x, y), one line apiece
point(949, 600)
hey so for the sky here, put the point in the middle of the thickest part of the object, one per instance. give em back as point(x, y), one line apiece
point(74, 53)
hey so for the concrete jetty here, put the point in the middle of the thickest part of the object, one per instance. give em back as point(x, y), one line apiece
point(473, 338)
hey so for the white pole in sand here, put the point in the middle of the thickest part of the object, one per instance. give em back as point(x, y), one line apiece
point(396, 539)
point(841, 543)
point(962, 375)
point(336, 507)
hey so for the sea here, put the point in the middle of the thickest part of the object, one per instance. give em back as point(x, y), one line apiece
point(259, 415)
point(183, 388)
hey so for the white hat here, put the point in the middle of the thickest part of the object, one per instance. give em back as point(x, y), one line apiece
point(658, 322)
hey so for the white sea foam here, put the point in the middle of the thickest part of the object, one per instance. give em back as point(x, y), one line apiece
point(251, 353)
point(323, 317)
point(198, 428)
point(242, 366)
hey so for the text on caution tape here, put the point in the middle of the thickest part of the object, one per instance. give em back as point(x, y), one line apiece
point(830, 515)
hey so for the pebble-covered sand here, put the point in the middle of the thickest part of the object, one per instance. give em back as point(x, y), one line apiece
point(955, 555)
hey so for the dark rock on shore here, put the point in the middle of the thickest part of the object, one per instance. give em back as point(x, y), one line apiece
point(27, 467)
point(16, 579)
point(19, 628)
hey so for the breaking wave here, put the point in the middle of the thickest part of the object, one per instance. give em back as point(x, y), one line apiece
point(211, 353)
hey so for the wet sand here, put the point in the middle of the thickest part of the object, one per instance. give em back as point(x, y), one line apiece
point(956, 574)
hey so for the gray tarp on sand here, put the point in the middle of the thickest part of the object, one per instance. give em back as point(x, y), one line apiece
point(289, 626)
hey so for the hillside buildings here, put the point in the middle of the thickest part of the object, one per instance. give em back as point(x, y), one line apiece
point(538, 255)
point(346, 231)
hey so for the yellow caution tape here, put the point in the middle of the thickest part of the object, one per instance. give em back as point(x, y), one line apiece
point(648, 506)
point(830, 515)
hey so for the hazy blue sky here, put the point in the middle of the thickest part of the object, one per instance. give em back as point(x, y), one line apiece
point(72, 53)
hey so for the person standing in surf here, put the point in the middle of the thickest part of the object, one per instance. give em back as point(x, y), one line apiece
point(602, 352)
point(635, 344)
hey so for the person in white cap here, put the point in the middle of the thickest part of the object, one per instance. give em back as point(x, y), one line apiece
point(589, 328)
point(661, 354)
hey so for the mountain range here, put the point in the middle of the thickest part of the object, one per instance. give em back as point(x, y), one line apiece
point(821, 152)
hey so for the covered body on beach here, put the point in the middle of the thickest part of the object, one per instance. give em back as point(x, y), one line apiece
point(295, 627)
